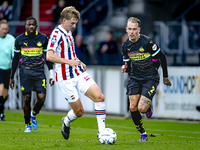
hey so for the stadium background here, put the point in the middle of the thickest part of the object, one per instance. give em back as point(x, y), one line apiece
point(167, 21)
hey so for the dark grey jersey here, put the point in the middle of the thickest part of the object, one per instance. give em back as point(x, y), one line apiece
point(142, 55)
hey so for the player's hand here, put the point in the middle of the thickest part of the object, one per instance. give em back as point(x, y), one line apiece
point(74, 62)
point(166, 81)
point(124, 67)
point(84, 66)
point(51, 81)
point(12, 83)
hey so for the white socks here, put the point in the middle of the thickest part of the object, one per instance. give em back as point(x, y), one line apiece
point(100, 111)
point(70, 118)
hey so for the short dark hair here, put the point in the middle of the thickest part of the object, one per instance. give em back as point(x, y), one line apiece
point(30, 18)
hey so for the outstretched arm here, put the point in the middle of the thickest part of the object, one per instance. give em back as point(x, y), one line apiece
point(163, 61)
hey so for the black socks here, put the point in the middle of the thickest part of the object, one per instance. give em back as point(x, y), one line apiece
point(137, 119)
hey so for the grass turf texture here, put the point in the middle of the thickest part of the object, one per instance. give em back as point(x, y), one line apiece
point(162, 134)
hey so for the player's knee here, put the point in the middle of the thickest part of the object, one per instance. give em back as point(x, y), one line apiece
point(142, 109)
point(27, 100)
point(79, 112)
point(100, 98)
point(41, 97)
point(133, 108)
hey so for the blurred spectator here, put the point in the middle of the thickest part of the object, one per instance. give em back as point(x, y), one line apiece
point(81, 50)
point(94, 16)
point(194, 41)
point(173, 38)
point(108, 45)
point(80, 4)
point(56, 10)
point(107, 51)
point(60, 4)
point(5, 10)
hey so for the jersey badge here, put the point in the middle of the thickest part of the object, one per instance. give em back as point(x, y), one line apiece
point(25, 43)
point(154, 47)
point(39, 44)
point(53, 40)
point(128, 49)
point(22, 88)
point(73, 97)
point(141, 49)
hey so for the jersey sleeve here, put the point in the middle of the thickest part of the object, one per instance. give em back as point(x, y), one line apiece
point(13, 45)
point(125, 53)
point(157, 53)
point(17, 46)
point(153, 48)
point(45, 44)
point(54, 40)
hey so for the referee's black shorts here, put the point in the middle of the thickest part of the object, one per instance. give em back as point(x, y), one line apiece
point(5, 77)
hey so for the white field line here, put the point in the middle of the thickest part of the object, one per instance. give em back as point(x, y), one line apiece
point(119, 127)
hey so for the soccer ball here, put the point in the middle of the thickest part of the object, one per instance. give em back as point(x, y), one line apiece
point(107, 136)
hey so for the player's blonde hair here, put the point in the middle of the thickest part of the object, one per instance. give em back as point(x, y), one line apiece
point(3, 22)
point(134, 20)
point(69, 13)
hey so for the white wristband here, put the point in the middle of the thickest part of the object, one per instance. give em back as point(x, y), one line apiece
point(51, 74)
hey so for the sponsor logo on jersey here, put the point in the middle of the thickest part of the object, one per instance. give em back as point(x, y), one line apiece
point(39, 44)
point(33, 51)
point(154, 47)
point(53, 40)
point(25, 43)
point(141, 49)
point(139, 56)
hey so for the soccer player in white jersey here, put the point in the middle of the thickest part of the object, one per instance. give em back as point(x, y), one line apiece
point(71, 73)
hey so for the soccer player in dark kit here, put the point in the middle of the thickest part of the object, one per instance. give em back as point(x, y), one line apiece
point(30, 53)
point(142, 57)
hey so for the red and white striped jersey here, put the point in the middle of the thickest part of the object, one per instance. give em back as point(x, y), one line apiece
point(63, 45)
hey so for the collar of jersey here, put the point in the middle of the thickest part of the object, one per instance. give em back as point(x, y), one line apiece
point(36, 33)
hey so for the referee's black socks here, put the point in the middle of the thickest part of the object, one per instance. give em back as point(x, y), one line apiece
point(1, 104)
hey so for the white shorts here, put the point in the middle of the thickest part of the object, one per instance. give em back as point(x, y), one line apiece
point(71, 87)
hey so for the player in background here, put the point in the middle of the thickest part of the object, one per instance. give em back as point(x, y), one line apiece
point(71, 73)
point(30, 53)
point(6, 53)
point(142, 57)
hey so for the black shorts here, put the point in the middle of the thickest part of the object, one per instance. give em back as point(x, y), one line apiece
point(146, 88)
point(32, 81)
point(5, 77)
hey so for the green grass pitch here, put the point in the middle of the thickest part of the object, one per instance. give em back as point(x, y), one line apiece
point(163, 135)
